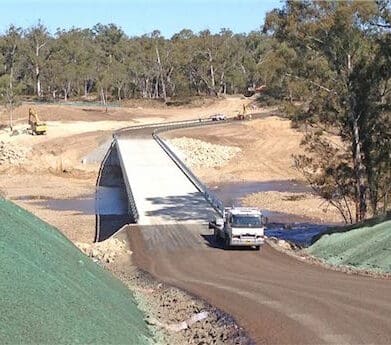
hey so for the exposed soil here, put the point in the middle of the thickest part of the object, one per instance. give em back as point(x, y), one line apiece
point(267, 147)
point(277, 299)
point(175, 317)
point(29, 190)
point(167, 308)
point(306, 204)
point(54, 169)
point(50, 166)
point(135, 110)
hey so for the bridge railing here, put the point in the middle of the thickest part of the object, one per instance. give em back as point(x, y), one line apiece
point(132, 207)
point(125, 130)
point(211, 197)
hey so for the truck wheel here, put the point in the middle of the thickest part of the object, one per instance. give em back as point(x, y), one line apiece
point(226, 243)
point(216, 235)
point(257, 247)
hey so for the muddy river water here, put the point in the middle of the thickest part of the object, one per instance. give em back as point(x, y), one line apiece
point(110, 204)
point(106, 201)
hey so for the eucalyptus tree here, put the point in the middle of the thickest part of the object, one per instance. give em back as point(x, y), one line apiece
point(107, 40)
point(332, 56)
point(38, 50)
point(10, 86)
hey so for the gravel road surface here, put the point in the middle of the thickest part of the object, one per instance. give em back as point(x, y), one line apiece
point(277, 299)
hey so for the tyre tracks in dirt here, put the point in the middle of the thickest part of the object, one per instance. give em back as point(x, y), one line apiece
point(277, 299)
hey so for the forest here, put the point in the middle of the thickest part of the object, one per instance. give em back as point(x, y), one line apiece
point(106, 61)
point(327, 64)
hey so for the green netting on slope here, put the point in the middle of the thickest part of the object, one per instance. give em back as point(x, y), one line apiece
point(51, 293)
point(368, 247)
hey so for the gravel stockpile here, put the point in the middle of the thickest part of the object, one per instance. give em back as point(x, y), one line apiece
point(198, 153)
point(105, 251)
point(11, 154)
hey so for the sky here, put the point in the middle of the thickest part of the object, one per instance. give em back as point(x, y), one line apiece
point(137, 17)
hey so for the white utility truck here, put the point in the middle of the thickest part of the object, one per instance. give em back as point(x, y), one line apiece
point(240, 226)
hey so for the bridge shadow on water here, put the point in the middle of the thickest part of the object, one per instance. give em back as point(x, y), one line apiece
point(111, 201)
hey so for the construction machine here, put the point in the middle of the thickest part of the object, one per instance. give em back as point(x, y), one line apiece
point(36, 126)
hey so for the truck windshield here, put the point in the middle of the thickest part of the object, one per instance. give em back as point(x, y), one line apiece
point(246, 221)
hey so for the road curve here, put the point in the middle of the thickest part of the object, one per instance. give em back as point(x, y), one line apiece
point(277, 299)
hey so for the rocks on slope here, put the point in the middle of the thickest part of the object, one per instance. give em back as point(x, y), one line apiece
point(105, 251)
point(198, 153)
point(11, 154)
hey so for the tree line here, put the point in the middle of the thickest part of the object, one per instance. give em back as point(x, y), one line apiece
point(332, 67)
point(104, 60)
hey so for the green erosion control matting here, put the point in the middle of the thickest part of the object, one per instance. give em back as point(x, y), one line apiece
point(50, 293)
point(368, 247)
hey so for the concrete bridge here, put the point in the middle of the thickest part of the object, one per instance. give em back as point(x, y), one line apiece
point(162, 193)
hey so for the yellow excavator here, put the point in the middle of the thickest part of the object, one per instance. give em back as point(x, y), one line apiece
point(36, 126)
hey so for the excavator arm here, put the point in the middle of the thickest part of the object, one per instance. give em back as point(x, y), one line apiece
point(33, 117)
point(37, 127)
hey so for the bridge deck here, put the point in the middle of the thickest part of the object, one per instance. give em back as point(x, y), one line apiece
point(163, 194)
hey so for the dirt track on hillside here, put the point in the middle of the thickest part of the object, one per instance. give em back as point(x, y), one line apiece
point(277, 299)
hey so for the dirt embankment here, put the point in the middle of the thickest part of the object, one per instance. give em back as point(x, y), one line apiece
point(266, 147)
point(302, 204)
point(264, 153)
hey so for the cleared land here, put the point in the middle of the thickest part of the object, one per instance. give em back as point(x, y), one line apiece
point(275, 298)
point(264, 150)
point(278, 300)
point(53, 168)
point(52, 182)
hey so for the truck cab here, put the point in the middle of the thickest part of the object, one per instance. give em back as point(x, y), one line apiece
point(240, 226)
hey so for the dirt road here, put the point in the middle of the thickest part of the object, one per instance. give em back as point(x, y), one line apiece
point(277, 299)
